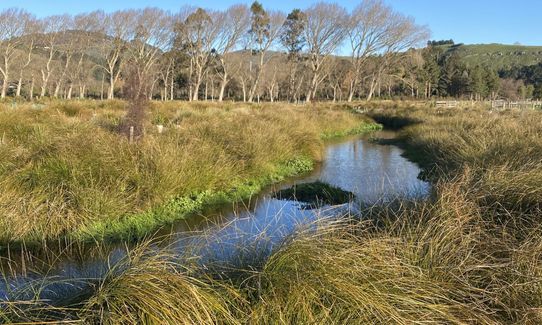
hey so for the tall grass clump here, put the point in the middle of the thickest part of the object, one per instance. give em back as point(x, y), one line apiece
point(498, 154)
point(71, 175)
point(471, 254)
point(438, 262)
point(405, 268)
point(154, 289)
point(502, 149)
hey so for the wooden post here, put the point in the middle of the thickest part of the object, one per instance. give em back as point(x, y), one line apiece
point(131, 134)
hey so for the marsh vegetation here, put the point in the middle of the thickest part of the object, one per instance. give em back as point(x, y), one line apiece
point(469, 254)
point(65, 172)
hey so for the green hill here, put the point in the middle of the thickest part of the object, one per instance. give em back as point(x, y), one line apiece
point(497, 56)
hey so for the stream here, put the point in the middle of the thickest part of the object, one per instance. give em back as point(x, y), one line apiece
point(373, 173)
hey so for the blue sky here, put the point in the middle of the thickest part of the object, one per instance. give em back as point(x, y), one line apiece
point(465, 21)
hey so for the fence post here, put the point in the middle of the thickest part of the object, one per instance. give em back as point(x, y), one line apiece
point(131, 134)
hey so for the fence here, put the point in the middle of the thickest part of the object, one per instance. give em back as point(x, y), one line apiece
point(446, 104)
point(525, 104)
point(494, 104)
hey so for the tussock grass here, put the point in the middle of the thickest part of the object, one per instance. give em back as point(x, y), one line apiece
point(66, 172)
point(153, 289)
point(470, 255)
point(407, 263)
point(502, 149)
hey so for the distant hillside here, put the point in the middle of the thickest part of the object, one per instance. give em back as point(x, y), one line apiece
point(497, 56)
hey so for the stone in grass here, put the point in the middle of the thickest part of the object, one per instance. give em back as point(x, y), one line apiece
point(315, 194)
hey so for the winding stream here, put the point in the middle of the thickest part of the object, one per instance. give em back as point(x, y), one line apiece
point(374, 173)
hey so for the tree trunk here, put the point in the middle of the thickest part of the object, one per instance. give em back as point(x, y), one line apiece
point(172, 88)
point(223, 84)
point(254, 87)
point(372, 88)
point(206, 88)
point(244, 88)
point(32, 88)
point(5, 85)
point(82, 91)
point(195, 91)
point(312, 88)
point(19, 87)
point(111, 92)
point(351, 92)
point(45, 79)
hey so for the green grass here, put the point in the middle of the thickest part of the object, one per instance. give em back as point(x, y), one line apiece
point(498, 56)
point(315, 194)
point(470, 255)
point(66, 173)
point(136, 226)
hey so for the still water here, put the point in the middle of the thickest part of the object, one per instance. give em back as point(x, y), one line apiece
point(374, 173)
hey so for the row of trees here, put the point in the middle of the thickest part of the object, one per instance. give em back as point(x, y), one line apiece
point(242, 53)
point(245, 53)
point(444, 73)
point(527, 79)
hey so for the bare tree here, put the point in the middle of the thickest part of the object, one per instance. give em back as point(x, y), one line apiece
point(231, 26)
point(52, 27)
point(264, 32)
point(367, 32)
point(166, 66)
point(118, 27)
point(13, 26)
point(89, 32)
point(197, 51)
point(324, 32)
point(27, 50)
point(152, 34)
point(410, 71)
point(198, 33)
point(67, 43)
point(402, 33)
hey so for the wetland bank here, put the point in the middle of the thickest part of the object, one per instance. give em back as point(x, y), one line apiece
point(469, 253)
point(246, 165)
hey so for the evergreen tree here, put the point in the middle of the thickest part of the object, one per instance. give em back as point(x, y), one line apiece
point(431, 71)
point(292, 37)
point(492, 82)
point(478, 83)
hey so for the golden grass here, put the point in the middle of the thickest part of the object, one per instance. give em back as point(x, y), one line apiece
point(153, 289)
point(470, 255)
point(64, 170)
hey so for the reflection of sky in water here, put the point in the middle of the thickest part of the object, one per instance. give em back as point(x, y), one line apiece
point(253, 232)
point(374, 173)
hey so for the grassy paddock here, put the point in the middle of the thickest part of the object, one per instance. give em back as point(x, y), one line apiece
point(66, 173)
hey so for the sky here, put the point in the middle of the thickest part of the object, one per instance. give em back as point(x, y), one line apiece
point(464, 21)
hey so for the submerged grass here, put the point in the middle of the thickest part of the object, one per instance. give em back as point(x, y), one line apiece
point(315, 194)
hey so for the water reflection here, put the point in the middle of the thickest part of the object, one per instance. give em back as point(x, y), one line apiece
point(374, 173)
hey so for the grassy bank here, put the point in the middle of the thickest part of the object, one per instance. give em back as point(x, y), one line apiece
point(65, 172)
point(470, 255)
